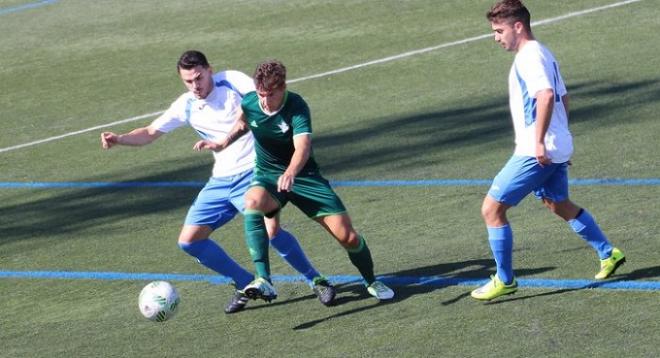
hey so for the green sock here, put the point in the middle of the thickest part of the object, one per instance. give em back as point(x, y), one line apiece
point(256, 238)
point(361, 259)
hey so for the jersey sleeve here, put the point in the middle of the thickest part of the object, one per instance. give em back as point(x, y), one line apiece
point(173, 118)
point(535, 70)
point(240, 82)
point(302, 119)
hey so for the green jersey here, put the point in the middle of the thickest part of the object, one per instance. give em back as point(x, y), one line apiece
point(273, 134)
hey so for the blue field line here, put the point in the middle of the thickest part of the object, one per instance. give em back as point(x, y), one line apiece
point(335, 183)
point(19, 8)
point(434, 281)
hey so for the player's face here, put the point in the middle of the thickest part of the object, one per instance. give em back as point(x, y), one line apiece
point(506, 34)
point(198, 80)
point(271, 98)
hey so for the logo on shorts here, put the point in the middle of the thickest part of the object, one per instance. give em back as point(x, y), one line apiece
point(254, 124)
point(495, 188)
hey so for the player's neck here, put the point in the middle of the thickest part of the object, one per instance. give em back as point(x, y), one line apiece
point(276, 106)
point(524, 40)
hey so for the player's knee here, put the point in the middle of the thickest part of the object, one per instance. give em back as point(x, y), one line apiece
point(191, 234)
point(488, 212)
point(493, 213)
point(251, 203)
point(349, 240)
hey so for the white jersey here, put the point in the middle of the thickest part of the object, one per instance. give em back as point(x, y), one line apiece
point(213, 118)
point(535, 69)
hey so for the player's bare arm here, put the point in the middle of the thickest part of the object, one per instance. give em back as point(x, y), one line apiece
point(303, 147)
point(239, 129)
point(544, 107)
point(136, 137)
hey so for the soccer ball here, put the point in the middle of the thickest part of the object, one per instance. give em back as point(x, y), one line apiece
point(158, 301)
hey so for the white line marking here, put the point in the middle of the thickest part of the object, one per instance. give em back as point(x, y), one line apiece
point(343, 69)
point(81, 131)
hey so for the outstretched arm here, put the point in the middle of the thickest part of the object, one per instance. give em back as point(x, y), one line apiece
point(136, 137)
point(240, 129)
point(303, 147)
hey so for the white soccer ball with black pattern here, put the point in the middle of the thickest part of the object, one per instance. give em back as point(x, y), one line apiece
point(158, 301)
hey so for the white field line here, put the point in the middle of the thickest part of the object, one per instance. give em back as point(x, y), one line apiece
point(341, 70)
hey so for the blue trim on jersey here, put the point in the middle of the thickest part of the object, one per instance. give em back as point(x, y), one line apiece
point(188, 109)
point(189, 104)
point(203, 135)
point(529, 103)
point(557, 98)
point(225, 83)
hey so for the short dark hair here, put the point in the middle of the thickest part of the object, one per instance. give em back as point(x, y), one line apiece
point(191, 59)
point(509, 11)
point(269, 74)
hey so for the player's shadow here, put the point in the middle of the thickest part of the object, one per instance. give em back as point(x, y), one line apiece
point(638, 274)
point(427, 139)
point(408, 283)
point(428, 279)
point(65, 212)
point(642, 273)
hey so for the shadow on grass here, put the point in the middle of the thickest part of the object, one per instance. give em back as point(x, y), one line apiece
point(68, 211)
point(477, 269)
point(402, 143)
point(390, 144)
point(644, 273)
point(467, 269)
point(648, 272)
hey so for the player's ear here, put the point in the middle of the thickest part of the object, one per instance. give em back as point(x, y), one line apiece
point(518, 27)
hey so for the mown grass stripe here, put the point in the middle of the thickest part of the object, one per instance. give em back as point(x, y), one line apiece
point(335, 183)
point(343, 69)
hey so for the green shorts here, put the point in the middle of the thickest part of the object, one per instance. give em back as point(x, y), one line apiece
point(312, 194)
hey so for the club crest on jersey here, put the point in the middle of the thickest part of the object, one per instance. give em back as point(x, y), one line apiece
point(283, 127)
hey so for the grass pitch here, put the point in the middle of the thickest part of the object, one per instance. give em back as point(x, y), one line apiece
point(443, 114)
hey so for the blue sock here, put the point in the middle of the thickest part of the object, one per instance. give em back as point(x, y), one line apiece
point(585, 226)
point(501, 244)
point(211, 255)
point(289, 248)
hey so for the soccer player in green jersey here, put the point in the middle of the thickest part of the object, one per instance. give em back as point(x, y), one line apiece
point(286, 171)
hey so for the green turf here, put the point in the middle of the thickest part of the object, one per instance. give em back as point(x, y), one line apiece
point(76, 64)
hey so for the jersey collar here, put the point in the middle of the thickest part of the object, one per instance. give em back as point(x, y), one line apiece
point(270, 114)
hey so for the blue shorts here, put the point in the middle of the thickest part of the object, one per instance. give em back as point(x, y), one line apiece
point(523, 175)
point(219, 201)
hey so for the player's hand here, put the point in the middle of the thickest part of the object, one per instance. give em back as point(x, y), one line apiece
point(541, 155)
point(285, 182)
point(108, 140)
point(207, 144)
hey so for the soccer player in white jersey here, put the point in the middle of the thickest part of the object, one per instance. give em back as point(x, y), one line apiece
point(211, 107)
point(539, 108)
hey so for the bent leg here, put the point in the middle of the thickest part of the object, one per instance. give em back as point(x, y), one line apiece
point(341, 228)
point(194, 240)
point(289, 249)
point(582, 224)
